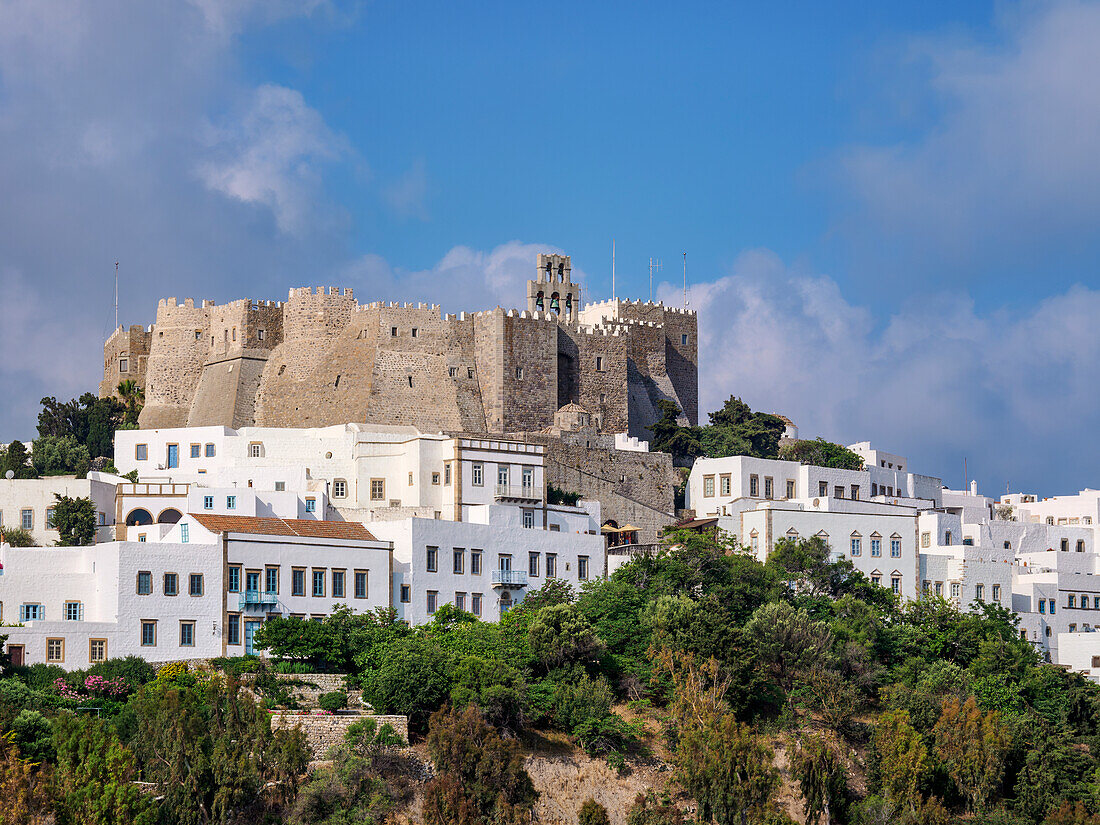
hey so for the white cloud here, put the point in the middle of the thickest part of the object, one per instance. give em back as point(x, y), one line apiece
point(272, 156)
point(227, 17)
point(939, 379)
point(1009, 161)
point(408, 194)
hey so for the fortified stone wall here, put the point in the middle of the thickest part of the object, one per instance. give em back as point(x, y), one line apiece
point(320, 359)
point(131, 344)
point(324, 731)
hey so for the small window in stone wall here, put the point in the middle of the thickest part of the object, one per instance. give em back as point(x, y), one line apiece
point(599, 363)
point(452, 371)
point(393, 332)
point(415, 332)
point(410, 381)
point(260, 334)
point(469, 372)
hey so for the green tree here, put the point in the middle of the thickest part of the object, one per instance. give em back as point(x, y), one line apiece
point(133, 399)
point(972, 746)
point(55, 455)
point(728, 771)
point(15, 458)
point(788, 642)
point(904, 764)
point(669, 436)
point(24, 788)
point(93, 783)
point(481, 775)
point(821, 453)
point(75, 520)
point(299, 640)
point(560, 634)
point(821, 778)
point(412, 678)
point(593, 813)
point(494, 686)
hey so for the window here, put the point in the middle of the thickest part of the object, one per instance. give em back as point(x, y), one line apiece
point(519, 373)
point(939, 588)
point(393, 332)
point(855, 492)
point(708, 486)
point(171, 584)
point(996, 592)
point(1047, 631)
point(185, 534)
point(683, 339)
point(895, 548)
point(298, 581)
point(768, 488)
point(1096, 602)
point(724, 484)
point(271, 580)
point(947, 537)
point(1042, 606)
point(979, 592)
point(502, 475)
point(790, 488)
point(452, 371)
point(529, 518)
point(1073, 628)
point(194, 585)
point(838, 491)
point(208, 502)
point(754, 486)
point(360, 584)
point(406, 594)
point(1052, 606)
point(856, 546)
point(55, 650)
point(477, 473)
point(926, 539)
point(599, 363)
point(260, 334)
point(255, 450)
point(1065, 545)
point(338, 584)
point(431, 559)
point(318, 583)
point(1071, 601)
point(475, 562)
point(311, 505)
point(475, 604)
point(280, 486)
point(895, 583)
point(97, 650)
point(187, 634)
point(551, 565)
point(377, 489)
point(230, 502)
point(1080, 545)
point(141, 452)
point(435, 479)
point(148, 632)
point(144, 583)
point(876, 578)
point(233, 582)
point(31, 613)
point(209, 450)
point(447, 474)
point(196, 451)
point(582, 568)
point(1084, 601)
point(433, 600)
point(74, 612)
point(49, 517)
point(532, 564)
point(459, 561)
point(876, 547)
point(123, 364)
point(822, 489)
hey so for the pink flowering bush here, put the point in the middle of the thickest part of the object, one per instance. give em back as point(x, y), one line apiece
point(93, 686)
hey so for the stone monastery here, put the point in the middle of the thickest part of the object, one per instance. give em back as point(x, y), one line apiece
point(321, 358)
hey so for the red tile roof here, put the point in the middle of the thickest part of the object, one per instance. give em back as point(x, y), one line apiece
point(310, 528)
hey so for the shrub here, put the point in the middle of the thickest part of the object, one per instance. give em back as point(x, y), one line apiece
point(412, 679)
point(18, 537)
point(133, 670)
point(580, 700)
point(333, 701)
point(593, 813)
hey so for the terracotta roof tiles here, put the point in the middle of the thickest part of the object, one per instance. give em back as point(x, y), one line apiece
point(308, 528)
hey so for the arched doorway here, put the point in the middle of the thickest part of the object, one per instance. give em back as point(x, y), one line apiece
point(139, 517)
point(169, 516)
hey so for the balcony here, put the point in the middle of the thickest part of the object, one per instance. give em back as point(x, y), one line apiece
point(517, 492)
point(254, 598)
point(509, 578)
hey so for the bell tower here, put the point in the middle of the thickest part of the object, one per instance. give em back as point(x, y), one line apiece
point(552, 289)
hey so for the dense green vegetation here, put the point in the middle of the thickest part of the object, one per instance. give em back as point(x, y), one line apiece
point(736, 430)
point(914, 713)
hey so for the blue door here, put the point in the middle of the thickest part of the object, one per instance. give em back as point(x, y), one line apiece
point(173, 455)
point(249, 632)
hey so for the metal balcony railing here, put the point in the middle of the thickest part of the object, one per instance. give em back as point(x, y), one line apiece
point(526, 492)
point(254, 598)
point(509, 578)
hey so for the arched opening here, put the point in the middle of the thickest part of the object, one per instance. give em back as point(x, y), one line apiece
point(169, 516)
point(540, 301)
point(139, 518)
point(555, 303)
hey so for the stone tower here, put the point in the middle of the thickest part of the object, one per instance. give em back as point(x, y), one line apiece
point(553, 289)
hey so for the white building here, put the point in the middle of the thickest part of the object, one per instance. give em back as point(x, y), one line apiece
point(28, 503)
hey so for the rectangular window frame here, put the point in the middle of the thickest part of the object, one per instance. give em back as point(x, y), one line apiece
point(187, 625)
point(55, 650)
point(339, 583)
point(362, 584)
point(298, 581)
point(151, 626)
point(319, 575)
point(97, 650)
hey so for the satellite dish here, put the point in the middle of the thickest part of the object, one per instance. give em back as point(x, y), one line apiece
point(9, 475)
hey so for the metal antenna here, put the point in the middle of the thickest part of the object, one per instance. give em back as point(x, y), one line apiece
point(653, 265)
point(614, 295)
point(685, 280)
point(116, 294)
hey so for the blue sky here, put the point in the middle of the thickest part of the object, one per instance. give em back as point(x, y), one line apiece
point(890, 210)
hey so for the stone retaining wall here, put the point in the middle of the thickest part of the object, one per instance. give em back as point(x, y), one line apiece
point(324, 730)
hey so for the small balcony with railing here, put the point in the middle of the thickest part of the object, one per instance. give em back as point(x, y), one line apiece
point(518, 492)
point(509, 579)
point(255, 600)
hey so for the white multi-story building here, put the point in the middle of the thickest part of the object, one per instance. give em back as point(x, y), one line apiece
point(28, 503)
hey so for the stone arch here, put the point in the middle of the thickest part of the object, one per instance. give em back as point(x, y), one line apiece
point(139, 517)
point(169, 516)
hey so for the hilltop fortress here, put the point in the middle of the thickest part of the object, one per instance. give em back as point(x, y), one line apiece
point(321, 358)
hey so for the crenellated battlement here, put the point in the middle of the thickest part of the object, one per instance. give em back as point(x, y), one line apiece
point(320, 357)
